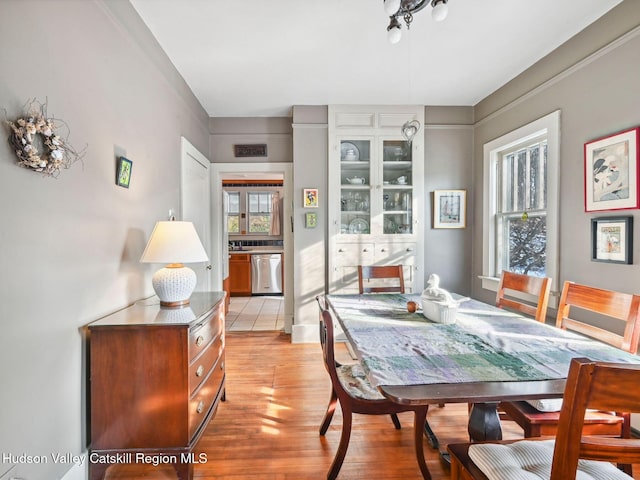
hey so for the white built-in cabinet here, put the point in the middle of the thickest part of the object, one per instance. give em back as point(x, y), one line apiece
point(376, 193)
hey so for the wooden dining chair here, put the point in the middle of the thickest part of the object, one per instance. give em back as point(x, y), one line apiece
point(595, 385)
point(623, 308)
point(350, 387)
point(535, 288)
point(380, 273)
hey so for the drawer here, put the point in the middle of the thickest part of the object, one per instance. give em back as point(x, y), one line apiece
point(201, 335)
point(395, 253)
point(354, 254)
point(203, 363)
point(240, 258)
point(205, 397)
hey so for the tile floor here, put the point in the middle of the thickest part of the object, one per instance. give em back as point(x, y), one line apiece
point(255, 313)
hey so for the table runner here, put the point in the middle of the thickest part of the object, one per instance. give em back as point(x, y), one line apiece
point(396, 347)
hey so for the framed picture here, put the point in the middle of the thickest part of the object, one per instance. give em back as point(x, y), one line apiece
point(449, 209)
point(611, 172)
point(612, 239)
point(310, 198)
point(310, 220)
point(123, 175)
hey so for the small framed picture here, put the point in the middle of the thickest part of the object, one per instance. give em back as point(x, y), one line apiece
point(310, 220)
point(449, 209)
point(612, 239)
point(123, 175)
point(310, 198)
point(611, 172)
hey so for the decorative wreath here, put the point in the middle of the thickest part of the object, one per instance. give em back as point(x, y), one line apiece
point(38, 147)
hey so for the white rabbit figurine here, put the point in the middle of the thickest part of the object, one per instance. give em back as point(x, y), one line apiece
point(434, 292)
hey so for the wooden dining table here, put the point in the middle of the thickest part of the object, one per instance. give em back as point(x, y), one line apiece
point(487, 355)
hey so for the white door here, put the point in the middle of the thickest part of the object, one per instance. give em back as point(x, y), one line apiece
point(225, 235)
point(196, 206)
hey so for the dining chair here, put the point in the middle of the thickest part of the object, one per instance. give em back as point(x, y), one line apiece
point(380, 273)
point(350, 387)
point(542, 417)
point(535, 288)
point(596, 385)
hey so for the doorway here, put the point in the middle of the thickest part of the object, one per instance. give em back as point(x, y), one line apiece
point(219, 246)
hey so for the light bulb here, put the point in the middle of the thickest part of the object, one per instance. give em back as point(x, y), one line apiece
point(393, 31)
point(440, 10)
point(391, 6)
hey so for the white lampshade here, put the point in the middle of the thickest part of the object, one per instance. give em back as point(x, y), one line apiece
point(391, 6)
point(440, 10)
point(174, 243)
point(394, 35)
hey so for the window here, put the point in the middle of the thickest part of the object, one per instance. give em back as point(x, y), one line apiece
point(233, 212)
point(520, 219)
point(522, 209)
point(259, 212)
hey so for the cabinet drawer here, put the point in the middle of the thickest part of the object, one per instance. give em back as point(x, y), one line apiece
point(240, 258)
point(205, 397)
point(354, 254)
point(395, 253)
point(201, 335)
point(202, 365)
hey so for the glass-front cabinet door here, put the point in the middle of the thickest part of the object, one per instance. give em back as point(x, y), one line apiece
point(357, 179)
point(397, 187)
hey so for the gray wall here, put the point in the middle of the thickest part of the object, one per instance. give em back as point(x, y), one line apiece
point(310, 153)
point(69, 247)
point(448, 147)
point(275, 132)
point(597, 95)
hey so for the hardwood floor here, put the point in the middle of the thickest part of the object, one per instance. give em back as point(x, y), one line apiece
point(267, 429)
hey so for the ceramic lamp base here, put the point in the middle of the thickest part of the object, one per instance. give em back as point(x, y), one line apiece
point(174, 285)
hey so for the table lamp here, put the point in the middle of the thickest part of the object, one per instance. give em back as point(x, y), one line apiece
point(174, 243)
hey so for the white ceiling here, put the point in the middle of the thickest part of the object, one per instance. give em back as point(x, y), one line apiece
point(260, 57)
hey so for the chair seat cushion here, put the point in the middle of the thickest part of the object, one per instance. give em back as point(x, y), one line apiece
point(355, 382)
point(531, 460)
point(546, 404)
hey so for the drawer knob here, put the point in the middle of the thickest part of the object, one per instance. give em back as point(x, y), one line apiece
point(200, 371)
point(200, 407)
point(383, 249)
point(365, 249)
point(222, 366)
point(340, 250)
point(199, 340)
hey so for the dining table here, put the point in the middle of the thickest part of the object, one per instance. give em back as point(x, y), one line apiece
point(485, 355)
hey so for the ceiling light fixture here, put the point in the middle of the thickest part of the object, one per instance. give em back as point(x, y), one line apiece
point(406, 9)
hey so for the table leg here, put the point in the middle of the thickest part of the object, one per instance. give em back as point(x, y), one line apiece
point(484, 422)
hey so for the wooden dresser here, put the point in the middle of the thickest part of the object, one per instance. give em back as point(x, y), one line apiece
point(156, 378)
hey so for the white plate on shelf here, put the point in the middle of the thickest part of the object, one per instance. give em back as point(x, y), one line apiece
point(349, 152)
point(359, 225)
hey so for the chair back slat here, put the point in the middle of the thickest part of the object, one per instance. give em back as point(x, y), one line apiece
point(366, 273)
point(623, 307)
point(536, 289)
point(595, 385)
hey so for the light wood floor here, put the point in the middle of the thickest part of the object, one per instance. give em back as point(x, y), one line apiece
point(267, 429)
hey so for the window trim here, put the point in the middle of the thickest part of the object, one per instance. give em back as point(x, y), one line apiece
point(548, 125)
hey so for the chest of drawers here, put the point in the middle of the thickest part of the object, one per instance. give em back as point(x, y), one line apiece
point(156, 378)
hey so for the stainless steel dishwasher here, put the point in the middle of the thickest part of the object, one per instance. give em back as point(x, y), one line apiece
point(266, 273)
